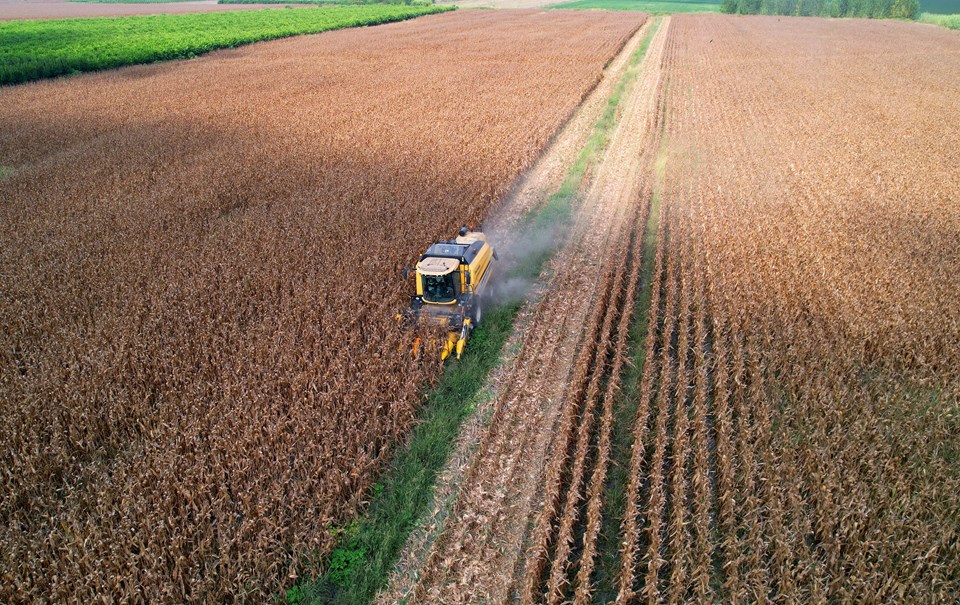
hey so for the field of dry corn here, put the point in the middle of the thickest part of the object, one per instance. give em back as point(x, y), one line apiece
point(802, 412)
point(199, 267)
point(797, 434)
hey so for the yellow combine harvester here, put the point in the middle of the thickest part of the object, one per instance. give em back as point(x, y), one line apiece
point(452, 280)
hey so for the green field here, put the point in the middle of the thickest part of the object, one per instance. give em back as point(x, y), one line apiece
point(950, 21)
point(654, 7)
point(31, 50)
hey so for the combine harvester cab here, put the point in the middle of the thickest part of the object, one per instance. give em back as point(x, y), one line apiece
point(452, 280)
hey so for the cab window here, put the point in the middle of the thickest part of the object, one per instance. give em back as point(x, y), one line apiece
point(439, 288)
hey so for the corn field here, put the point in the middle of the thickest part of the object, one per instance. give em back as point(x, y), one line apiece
point(797, 435)
point(200, 373)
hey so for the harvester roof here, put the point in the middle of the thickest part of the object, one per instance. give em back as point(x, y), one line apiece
point(465, 249)
point(437, 265)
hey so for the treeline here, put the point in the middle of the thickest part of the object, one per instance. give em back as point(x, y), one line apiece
point(872, 9)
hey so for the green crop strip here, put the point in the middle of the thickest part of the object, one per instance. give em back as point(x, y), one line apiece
point(867, 9)
point(939, 7)
point(31, 50)
point(317, 2)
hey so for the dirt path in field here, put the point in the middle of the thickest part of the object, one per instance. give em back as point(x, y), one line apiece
point(63, 9)
point(480, 555)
